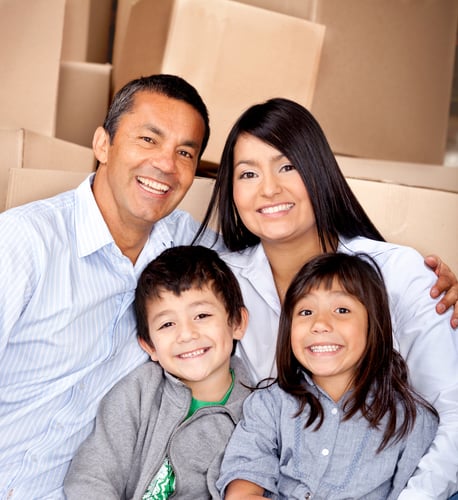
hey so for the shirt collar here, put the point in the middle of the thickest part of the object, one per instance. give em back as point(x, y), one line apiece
point(92, 232)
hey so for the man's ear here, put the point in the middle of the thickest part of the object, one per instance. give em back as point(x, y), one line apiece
point(100, 143)
point(148, 348)
point(239, 330)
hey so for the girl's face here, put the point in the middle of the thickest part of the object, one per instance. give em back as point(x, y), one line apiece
point(329, 336)
point(269, 194)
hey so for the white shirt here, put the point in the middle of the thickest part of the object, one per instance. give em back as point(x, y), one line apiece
point(67, 330)
point(424, 338)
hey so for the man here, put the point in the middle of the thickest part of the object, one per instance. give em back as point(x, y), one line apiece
point(69, 268)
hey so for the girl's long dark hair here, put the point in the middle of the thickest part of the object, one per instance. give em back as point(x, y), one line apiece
point(291, 129)
point(381, 379)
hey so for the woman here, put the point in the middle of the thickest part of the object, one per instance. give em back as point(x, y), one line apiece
point(279, 200)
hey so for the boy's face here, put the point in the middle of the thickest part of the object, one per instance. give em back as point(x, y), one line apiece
point(193, 340)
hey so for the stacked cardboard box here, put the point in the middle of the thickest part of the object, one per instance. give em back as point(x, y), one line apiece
point(51, 105)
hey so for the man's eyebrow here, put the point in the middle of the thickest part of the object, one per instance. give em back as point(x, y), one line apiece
point(155, 130)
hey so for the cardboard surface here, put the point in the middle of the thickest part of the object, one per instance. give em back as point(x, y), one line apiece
point(385, 79)
point(234, 54)
point(25, 185)
point(29, 150)
point(30, 48)
point(84, 92)
point(86, 33)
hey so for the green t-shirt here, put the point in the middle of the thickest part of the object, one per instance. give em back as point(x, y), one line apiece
point(163, 483)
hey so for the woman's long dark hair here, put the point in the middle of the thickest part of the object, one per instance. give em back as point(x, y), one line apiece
point(381, 373)
point(291, 129)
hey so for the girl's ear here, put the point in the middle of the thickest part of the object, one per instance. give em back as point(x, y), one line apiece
point(239, 330)
point(100, 143)
point(149, 349)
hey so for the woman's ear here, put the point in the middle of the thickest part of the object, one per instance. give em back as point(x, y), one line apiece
point(239, 330)
point(100, 143)
point(148, 348)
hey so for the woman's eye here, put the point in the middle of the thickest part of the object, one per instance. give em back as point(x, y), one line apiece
point(247, 175)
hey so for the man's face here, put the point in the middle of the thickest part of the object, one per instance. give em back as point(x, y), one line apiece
point(149, 167)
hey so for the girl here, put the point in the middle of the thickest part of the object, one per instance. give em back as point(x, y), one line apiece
point(280, 199)
point(341, 422)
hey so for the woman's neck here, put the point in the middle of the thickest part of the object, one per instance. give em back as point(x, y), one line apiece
point(287, 258)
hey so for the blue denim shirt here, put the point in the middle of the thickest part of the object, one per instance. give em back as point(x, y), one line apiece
point(271, 448)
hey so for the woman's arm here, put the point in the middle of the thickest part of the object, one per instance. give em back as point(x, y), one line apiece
point(243, 490)
point(447, 283)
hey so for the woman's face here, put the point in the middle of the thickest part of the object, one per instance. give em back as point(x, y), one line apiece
point(269, 194)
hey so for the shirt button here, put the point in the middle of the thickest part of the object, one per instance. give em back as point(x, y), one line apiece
point(334, 411)
point(325, 452)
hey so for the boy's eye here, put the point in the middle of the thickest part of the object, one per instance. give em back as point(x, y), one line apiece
point(202, 316)
point(168, 324)
point(342, 310)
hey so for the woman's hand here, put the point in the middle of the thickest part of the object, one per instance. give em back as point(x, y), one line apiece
point(446, 282)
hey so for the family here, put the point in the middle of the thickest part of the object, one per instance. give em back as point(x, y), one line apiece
point(295, 309)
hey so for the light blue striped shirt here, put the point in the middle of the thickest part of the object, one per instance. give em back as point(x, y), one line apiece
point(67, 330)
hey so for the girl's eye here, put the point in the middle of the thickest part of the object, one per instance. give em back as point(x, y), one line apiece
point(305, 312)
point(342, 310)
point(287, 168)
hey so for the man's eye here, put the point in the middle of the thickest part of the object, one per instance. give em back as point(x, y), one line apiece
point(186, 154)
point(147, 139)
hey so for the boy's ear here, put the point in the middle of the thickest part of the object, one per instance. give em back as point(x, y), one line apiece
point(239, 330)
point(100, 144)
point(148, 348)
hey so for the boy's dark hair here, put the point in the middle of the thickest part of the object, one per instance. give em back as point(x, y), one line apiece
point(182, 268)
point(291, 129)
point(171, 86)
point(381, 373)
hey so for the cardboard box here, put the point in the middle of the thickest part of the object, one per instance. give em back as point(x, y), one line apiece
point(26, 184)
point(385, 78)
point(234, 54)
point(83, 99)
point(86, 34)
point(29, 150)
point(30, 48)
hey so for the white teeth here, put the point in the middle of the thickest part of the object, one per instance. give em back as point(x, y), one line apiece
point(153, 185)
point(324, 348)
point(277, 208)
point(192, 354)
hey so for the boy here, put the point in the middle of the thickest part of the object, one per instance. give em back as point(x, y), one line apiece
point(164, 427)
